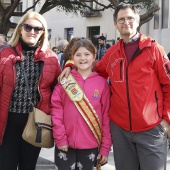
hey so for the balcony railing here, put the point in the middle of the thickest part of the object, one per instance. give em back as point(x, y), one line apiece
point(91, 14)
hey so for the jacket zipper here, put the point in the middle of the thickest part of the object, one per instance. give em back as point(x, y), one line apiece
point(127, 87)
point(41, 97)
point(121, 64)
point(39, 81)
point(156, 98)
point(128, 99)
point(75, 139)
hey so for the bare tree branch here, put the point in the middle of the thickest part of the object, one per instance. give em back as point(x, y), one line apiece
point(33, 6)
point(70, 6)
point(149, 14)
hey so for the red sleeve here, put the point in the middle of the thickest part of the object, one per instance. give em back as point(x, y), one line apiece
point(162, 69)
point(102, 66)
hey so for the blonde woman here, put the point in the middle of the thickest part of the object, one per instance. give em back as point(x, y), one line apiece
point(30, 39)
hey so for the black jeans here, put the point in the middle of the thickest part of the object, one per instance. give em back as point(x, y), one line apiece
point(15, 152)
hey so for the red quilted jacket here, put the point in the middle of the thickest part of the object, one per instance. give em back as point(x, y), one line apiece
point(46, 82)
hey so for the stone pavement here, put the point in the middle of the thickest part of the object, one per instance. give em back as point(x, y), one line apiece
point(46, 160)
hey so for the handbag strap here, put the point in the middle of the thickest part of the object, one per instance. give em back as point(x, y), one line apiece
point(25, 75)
point(26, 80)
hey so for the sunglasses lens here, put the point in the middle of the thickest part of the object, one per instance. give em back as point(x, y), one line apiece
point(38, 29)
point(28, 28)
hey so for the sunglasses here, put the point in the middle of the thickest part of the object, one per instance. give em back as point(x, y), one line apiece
point(28, 28)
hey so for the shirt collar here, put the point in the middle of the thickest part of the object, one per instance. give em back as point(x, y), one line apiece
point(134, 38)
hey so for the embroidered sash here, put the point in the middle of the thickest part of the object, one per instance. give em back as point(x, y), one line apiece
point(82, 103)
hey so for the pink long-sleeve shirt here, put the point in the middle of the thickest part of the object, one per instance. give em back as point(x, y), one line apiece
point(69, 127)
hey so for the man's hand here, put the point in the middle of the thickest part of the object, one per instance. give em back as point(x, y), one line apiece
point(166, 125)
point(63, 148)
point(64, 73)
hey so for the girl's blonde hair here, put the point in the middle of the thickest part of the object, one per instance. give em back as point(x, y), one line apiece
point(44, 43)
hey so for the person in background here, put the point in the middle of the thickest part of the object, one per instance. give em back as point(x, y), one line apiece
point(29, 47)
point(138, 68)
point(168, 55)
point(67, 55)
point(76, 145)
point(102, 47)
point(3, 41)
point(62, 45)
point(55, 49)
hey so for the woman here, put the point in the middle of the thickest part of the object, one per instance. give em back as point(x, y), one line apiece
point(30, 39)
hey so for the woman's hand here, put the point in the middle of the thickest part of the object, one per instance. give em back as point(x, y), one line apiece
point(64, 73)
point(63, 148)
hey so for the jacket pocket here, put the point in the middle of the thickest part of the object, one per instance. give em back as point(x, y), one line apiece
point(118, 70)
point(157, 99)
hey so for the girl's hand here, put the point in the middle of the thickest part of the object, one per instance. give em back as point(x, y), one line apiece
point(102, 159)
point(63, 148)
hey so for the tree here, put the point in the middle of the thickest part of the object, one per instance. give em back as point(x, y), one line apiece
point(69, 6)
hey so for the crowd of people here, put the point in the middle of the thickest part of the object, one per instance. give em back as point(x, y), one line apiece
point(69, 82)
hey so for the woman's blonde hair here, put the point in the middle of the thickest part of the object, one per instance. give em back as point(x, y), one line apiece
point(44, 43)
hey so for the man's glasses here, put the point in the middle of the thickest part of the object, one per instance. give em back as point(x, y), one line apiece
point(129, 19)
point(28, 28)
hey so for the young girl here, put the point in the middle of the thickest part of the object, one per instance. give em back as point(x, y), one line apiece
point(79, 109)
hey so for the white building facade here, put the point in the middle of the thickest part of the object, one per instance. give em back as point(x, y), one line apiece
point(92, 25)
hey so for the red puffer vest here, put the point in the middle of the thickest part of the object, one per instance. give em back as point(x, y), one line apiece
point(46, 82)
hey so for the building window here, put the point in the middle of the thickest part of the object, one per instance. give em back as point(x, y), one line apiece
point(19, 7)
point(91, 4)
point(165, 13)
point(156, 20)
point(69, 32)
point(93, 34)
point(49, 34)
point(94, 5)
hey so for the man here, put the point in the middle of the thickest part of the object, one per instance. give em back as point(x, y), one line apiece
point(102, 48)
point(138, 69)
point(55, 49)
point(3, 41)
